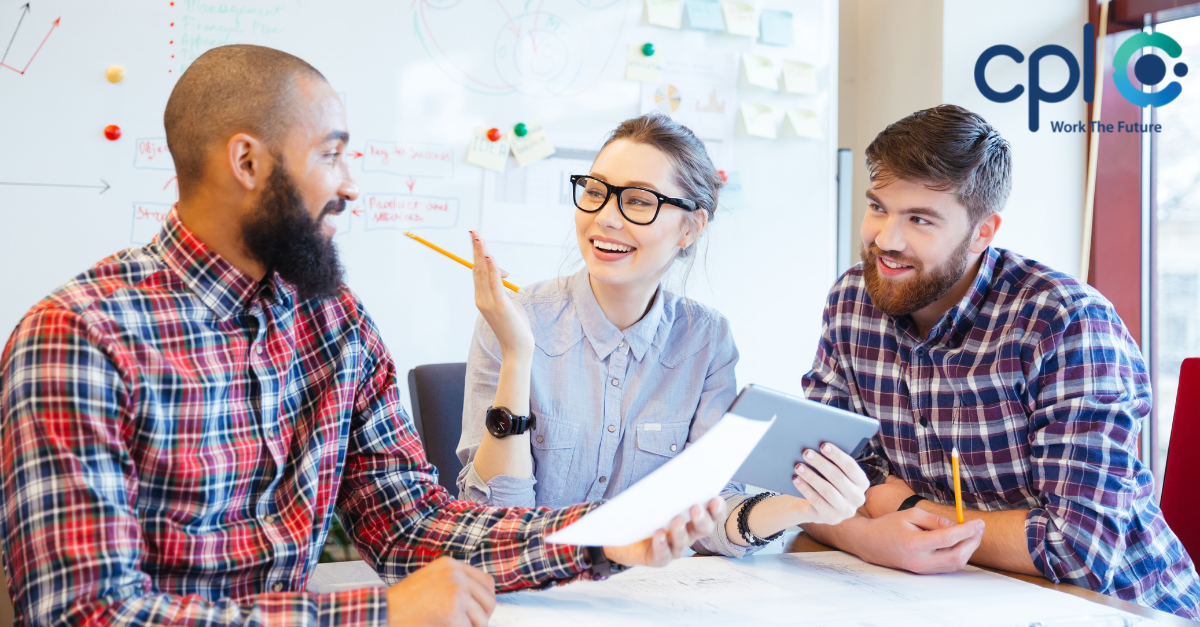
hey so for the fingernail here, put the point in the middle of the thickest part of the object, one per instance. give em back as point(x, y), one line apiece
point(809, 454)
point(801, 469)
point(827, 447)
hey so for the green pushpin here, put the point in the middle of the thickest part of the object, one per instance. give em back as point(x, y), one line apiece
point(648, 50)
point(520, 130)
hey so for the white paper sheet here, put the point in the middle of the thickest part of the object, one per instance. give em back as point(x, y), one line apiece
point(830, 588)
point(338, 576)
point(694, 476)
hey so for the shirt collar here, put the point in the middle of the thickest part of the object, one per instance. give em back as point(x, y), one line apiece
point(215, 281)
point(961, 317)
point(604, 335)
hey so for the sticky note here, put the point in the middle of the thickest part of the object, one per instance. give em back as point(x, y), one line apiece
point(705, 15)
point(739, 18)
point(668, 13)
point(804, 123)
point(533, 146)
point(759, 120)
point(641, 68)
point(777, 27)
point(799, 78)
point(486, 153)
point(760, 71)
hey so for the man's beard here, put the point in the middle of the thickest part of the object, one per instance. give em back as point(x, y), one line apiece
point(283, 237)
point(900, 298)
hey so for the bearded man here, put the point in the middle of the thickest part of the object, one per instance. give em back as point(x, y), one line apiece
point(952, 343)
point(181, 420)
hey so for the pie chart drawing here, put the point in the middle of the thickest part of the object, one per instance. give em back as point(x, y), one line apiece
point(666, 99)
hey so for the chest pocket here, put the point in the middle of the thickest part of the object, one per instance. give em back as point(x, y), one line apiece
point(993, 441)
point(656, 445)
point(554, 442)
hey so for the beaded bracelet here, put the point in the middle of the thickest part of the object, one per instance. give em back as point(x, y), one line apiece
point(744, 520)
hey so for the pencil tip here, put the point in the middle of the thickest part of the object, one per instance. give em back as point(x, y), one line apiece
point(953, 451)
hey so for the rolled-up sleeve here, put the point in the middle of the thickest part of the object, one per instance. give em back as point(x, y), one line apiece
point(483, 376)
point(1098, 523)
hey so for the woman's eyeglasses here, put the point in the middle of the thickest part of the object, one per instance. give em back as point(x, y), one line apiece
point(637, 204)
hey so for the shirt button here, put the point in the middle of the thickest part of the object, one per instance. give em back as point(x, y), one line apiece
point(269, 519)
point(258, 349)
point(277, 586)
point(924, 421)
point(612, 428)
point(619, 345)
point(603, 479)
point(920, 352)
point(674, 447)
point(540, 438)
point(615, 382)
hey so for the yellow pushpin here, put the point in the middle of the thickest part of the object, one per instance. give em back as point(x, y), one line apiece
point(115, 74)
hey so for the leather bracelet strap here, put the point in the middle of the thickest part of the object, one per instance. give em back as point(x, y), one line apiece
point(910, 502)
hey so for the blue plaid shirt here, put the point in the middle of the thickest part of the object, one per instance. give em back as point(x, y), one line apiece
point(1036, 380)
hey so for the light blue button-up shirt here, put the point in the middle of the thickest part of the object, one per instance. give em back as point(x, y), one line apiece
point(611, 405)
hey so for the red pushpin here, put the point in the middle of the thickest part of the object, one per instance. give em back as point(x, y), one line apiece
point(724, 177)
point(112, 132)
point(493, 134)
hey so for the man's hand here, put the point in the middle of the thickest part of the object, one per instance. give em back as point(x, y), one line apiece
point(918, 541)
point(668, 544)
point(446, 592)
point(887, 497)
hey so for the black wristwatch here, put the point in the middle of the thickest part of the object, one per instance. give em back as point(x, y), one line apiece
point(601, 567)
point(910, 502)
point(501, 423)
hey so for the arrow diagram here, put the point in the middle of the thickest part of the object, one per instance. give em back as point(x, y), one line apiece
point(4, 59)
point(103, 187)
point(353, 154)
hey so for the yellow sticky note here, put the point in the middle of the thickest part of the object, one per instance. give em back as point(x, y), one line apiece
point(533, 146)
point(486, 153)
point(668, 13)
point(739, 18)
point(642, 68)
point(759, 120)
point(760, 71)
point(805, 123)
point(799, 78)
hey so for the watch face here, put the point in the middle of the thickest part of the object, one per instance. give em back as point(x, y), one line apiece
point(499, 422)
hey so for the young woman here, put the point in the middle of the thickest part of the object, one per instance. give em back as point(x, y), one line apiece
point(619, 373)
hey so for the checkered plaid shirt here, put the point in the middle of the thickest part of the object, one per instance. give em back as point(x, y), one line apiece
point(176, 437)
point(1035, 379)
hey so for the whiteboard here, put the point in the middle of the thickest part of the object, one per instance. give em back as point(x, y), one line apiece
point(417, 76)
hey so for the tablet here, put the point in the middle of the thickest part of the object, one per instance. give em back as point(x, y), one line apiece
point(799, 424)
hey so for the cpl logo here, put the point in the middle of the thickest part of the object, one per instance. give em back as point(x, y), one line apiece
point(1149, 69)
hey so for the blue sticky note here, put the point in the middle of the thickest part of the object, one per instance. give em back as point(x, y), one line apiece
point(705, 15)
point(776, 27)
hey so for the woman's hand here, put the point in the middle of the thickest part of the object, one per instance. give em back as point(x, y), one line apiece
point(838, 495)
point(505, 316)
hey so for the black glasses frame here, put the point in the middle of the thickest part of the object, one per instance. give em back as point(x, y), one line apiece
point(682, 203)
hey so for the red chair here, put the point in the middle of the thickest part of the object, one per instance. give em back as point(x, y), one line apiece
point(1180, 497)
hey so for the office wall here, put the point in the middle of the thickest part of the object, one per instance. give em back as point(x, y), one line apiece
point(898, 57)
point(1044, 217)
point(890, 65)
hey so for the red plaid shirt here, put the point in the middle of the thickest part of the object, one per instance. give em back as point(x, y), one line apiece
point(176, 437)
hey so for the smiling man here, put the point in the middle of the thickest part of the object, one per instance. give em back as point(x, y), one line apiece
point(953, 343)
point(181, 421)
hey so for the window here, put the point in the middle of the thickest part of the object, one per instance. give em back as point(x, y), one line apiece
point(1176, 305)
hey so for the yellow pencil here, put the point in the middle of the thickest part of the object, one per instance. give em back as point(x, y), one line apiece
point(957, 485)
point(453, 256)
